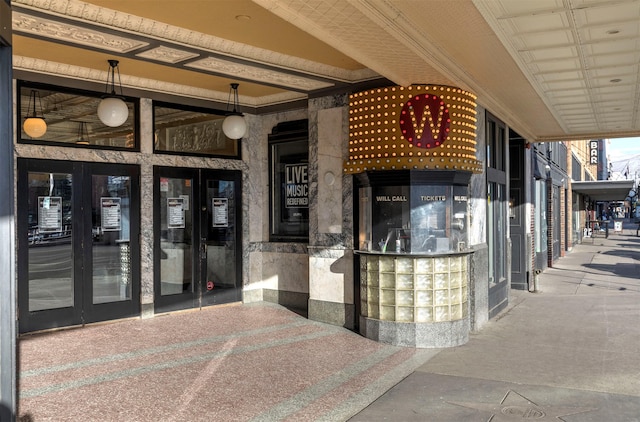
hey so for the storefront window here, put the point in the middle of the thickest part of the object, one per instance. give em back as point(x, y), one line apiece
point(71, 119)
point(540, 239)
point(496, 218)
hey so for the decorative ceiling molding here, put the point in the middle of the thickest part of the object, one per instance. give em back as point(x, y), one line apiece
point(90, 14)
point(38, 26)
point(60, 31)
point(167, 54)
point(227, 67)
point(29, 64)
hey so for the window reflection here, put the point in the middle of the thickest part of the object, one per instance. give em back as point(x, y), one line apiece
point(72, 119)
point(191, 131)
point(50, 249)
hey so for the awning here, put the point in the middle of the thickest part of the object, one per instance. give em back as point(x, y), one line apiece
point(604, 190)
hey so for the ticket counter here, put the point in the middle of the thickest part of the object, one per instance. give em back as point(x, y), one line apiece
point(414, 267)
point(413, 151)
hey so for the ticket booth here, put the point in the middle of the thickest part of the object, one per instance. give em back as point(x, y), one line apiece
point(412, 151)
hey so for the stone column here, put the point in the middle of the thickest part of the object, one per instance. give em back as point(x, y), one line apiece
point(146, 212)
point(331, 290)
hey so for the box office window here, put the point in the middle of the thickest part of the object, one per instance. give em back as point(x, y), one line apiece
point(188, 130)
point(71, 119)
point(413, 219)
point(289, 182)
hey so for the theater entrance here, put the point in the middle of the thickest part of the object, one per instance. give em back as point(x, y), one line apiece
point(78, 243)
point(197, 251)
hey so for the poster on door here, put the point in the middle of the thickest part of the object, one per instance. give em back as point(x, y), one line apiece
point(220, 207)
point(111, 213)
point(50, 214)
point(175, 213)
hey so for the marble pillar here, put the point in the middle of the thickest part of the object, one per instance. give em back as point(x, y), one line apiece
point(146, 214)
point(479, 260)
point(331, 289)
point(273, 271)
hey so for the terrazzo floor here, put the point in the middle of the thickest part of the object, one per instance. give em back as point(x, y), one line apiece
point(257, 362)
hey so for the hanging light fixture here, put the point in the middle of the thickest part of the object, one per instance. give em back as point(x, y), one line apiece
point(234, 126)
point(83, 134)
point(34, 125)
point(112, 110)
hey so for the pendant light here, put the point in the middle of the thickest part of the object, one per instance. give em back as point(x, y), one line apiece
point(112, 110)
point(234, 126)
point(34, 125)
point(83, 134)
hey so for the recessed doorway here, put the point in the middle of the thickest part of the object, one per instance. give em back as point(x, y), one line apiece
point(78, 243)
point(197, 234)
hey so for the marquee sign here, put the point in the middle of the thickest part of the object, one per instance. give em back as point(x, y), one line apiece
point(415, 127)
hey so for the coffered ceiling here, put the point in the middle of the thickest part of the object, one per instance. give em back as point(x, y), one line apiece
point(552, 69)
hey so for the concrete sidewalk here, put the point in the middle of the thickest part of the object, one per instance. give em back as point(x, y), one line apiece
point(569, 352)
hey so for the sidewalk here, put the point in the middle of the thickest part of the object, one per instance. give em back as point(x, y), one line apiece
point(570, 352)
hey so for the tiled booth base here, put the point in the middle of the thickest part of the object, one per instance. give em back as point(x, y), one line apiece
point(418, 301)
point(416, 334)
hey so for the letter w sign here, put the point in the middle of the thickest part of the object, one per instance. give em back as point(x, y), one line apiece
point(425, 121)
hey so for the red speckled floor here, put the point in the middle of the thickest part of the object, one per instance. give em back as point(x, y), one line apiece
point(256, 362)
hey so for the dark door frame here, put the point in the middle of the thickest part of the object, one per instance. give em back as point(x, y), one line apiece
point(83, 311)
point(185, 300)
point(200, 216)
point(496, 173)
point(209, 235)
point(518, 198)
point(8, 289)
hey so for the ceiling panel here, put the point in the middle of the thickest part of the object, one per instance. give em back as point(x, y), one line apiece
point(529, 62)
point(607, 12)
point(511, 9)
point(544, 40)
point(560, 76)
point(553, 66)
point(600, 61)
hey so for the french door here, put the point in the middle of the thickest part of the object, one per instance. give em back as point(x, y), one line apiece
point(78, 243)
point(197, 251)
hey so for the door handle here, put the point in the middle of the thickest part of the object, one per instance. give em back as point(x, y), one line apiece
point(203, 248)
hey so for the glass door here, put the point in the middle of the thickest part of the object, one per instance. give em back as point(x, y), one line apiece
point(220, 237)
point(555, 221)
point(176, 225)
point(47, 290)
point(197, 256)
point(78, 243)
point(114, 245)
